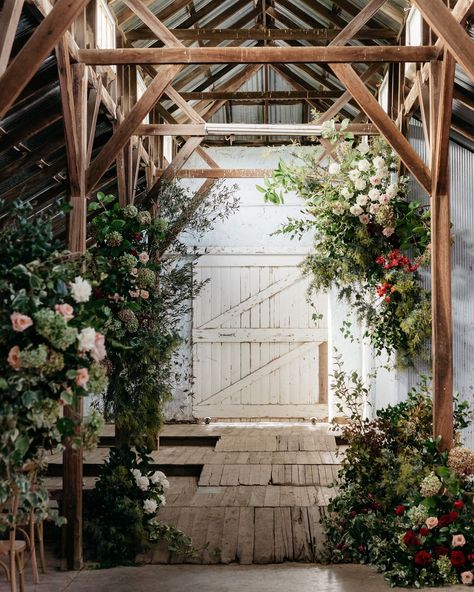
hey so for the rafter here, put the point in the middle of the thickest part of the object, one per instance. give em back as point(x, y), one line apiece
point(10, 14)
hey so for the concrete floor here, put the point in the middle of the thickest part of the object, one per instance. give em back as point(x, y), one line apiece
point(217, 578)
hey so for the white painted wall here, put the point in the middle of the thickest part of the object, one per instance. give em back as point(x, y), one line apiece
point(250, 229)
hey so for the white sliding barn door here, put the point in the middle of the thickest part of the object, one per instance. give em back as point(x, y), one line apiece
point(257, 352)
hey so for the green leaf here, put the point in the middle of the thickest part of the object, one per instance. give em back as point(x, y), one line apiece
point(93, 206)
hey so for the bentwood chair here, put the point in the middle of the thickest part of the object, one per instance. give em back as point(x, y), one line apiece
point(14, 550)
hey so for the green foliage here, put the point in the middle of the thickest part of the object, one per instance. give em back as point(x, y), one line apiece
point(370, 240)
point(389, 462)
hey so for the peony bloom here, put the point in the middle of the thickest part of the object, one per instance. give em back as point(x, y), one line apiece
point(98, 352)
point(20, 322)
point(431, 522)
point(363, 165)
point(363, 148)
point(458, 558)
point(333, 169)
point(360, 184)
point(467, 577)
point(14, 357)
point(86, 339)
point(65, 310)
point(388, 231)
point(362, 199)
point(356, 210)
point(82, 377)
point(458, 540)
point(374, 194)
point(364, 219)
point(144, 257)
point(81, 290)
point(145, 294)
point(150, 506)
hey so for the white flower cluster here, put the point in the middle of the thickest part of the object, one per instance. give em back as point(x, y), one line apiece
point(81, 289)
point(151, 483)
point(367, 192)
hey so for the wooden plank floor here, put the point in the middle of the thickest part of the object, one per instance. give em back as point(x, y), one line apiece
point(260, 494)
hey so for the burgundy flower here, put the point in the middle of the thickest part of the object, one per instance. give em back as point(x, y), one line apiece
point(441, 550)
point(458, 504)
point(422, 558)
point(458, 559)
point(448, 519)
point(424, 531)
point(410, 538)
point(400, 510)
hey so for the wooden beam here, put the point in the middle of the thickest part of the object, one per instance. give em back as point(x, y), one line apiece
point(164, 14)
point(243, 129)
point(153, 23)
point(384, 123)
point(258, 55)
point(133, 119)
point(441, 20)
point(222, 173)
point(442, 341)
point(272, 95)
point(36, 49)
point(263, 34)
point(10, 14)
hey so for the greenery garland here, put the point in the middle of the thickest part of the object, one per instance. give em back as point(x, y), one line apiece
point(370, 239)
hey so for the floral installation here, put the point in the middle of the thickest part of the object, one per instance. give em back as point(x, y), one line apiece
point(401, 504)
point(370, 239)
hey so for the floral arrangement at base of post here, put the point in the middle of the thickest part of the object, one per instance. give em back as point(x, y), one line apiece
point(121, 513)
point(370, 239)
point(401, 504)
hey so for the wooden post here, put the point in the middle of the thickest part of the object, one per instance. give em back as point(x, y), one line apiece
point(73, 457)
point(441, 104)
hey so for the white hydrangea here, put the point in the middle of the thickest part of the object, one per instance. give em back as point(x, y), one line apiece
point(81, 289)
point(356, 210)
point(334, 168)
point(379, 162)
point(362, 199)
point(363, 165)
point(150, 506)
point(354, 174)
point(374, 194)
point(363, 148)
point(360, 184)
point(86, 339)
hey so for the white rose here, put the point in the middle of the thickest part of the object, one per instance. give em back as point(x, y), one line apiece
point(363, 165)
point(165, 484)
point(379, 162)
point(142, 482)
point(360, 184)
point(356, 210)
point(334, 168)
point(136, 473)
point(382, 173)
point(363, 148)
point(362, 199)
point(157, 477)
point(86, 339)
point(384, 199)
point(374, 194)
point(81, 290)
point(162, 500)
point(392, 190)
point(375, 180)
point(346, 193)
point(354, 174)
point(338, 209)
point(374, 208)
point(150, 506)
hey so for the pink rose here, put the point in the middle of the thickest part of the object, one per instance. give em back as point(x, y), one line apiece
point(458, 540)
point(14, 357)
point(99, 352)
point(82, 377)
point(144, 257)
point(431, 522)
point(65, 310)
point(134, 293)
point(364, 219)
point(20, 322)
point(467, 577)
point(144, 294)
point(388, 231)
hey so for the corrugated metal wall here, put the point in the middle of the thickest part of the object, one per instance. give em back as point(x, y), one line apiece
point(462, 214)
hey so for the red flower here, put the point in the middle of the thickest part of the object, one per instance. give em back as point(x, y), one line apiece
point(441, 550)
point(387, 298)
point(447, 519)
point(422, 558)
point(458, 504)
point(424, 531)
point(400, 510)
point(410, 538)
point(471, 556)
point(458, 558)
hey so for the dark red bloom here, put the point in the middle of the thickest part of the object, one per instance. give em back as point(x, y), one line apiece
point(410, 538)
point(422, 558)
point(400, 510)
point(134, 252)
point(447, 519)
point(424, 531)
point(353, 514)
point(458, 504)
point(361, 548)
point(441, 550)
point(471, 556)
point(458, 559)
